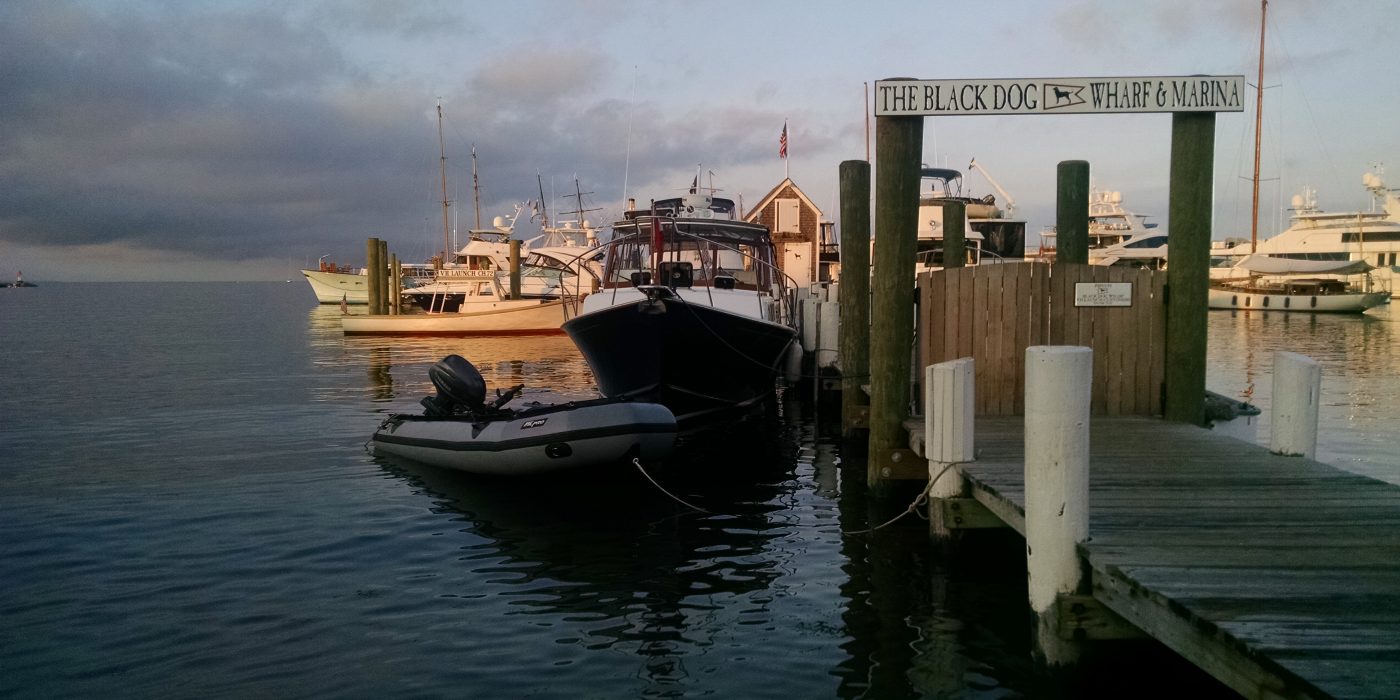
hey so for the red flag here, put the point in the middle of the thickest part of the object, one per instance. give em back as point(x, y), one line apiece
point(782, 142)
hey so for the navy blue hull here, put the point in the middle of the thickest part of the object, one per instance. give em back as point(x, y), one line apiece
point(693, 359)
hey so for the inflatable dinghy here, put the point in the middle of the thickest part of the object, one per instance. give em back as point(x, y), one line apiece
point(459, 430)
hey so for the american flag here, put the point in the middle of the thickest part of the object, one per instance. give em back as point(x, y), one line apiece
point(782, 142)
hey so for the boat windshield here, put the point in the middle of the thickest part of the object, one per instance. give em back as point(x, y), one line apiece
point(742, 255)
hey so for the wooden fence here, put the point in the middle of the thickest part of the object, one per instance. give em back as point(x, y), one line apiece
point(992, 313)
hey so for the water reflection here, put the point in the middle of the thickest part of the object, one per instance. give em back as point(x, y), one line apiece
point(1358, 354)
point(550, 367)
point(614, 564)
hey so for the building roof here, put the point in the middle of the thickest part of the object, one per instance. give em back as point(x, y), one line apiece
point(773, 194)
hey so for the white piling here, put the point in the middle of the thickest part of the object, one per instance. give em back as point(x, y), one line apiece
point(1057, 483)
point(808, 306)
point(949, 408)
point(1293, 414)
point(828, 333)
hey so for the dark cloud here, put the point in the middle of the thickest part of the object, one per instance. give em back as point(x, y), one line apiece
point(211, 134)
point(252, 133)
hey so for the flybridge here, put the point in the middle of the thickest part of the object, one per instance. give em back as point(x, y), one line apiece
point(1199, 93)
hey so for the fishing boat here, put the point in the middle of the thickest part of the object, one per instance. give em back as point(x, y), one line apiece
point(484, 307)
point(19, 282)
point(991, 231)
point(553, 264)
point(692, 311)
point(459, 430)
point(1307, 286)
point(333, 284)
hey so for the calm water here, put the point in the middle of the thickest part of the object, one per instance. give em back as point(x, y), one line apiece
point(186, 509)
point(1359, 418)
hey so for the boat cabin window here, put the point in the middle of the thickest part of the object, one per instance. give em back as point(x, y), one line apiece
point(708, 253)
point(930, 253)
point(1150, 242)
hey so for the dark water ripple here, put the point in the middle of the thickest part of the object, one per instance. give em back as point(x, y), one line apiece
point(187, 510)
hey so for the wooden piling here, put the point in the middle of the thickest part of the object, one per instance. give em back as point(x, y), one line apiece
point(855, 295)
point(1188, 275)
point(1072, 212)
point(515, 269)
point(1293, 408)
point(898, 148)
point(372, 278)
point(1057, 485)
point(383, 272)
point(954, 234)
point(395, 285)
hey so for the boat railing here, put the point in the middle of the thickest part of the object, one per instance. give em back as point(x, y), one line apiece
point(755, 274)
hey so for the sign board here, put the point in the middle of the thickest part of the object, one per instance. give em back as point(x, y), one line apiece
point(927, 98)
point(1103, 293)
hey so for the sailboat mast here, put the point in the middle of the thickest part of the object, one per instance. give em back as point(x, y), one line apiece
point(476, 190)
point(1258, 127)
point(442, 163)
point(544, 217)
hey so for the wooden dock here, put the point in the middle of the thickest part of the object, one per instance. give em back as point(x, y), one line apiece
point(1280, 576)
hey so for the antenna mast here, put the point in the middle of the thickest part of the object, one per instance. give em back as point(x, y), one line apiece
point(442, 162)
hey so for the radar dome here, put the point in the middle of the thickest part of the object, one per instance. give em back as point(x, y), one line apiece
point(1116, 197)
point(499, 222)
point(1297, 201)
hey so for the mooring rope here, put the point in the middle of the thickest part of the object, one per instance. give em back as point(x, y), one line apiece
point(638, 463)
point(913, 507)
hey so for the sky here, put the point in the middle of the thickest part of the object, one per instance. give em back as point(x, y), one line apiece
point(245, 139)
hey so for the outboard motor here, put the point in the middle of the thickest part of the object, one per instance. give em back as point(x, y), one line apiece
point(459, 387)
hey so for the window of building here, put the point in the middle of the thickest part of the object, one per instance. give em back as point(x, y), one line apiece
point(789, 216)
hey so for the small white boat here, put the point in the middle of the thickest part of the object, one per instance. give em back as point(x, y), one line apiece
point(459, 431)
point(332, 283)
point(476, 316)
point(1283, 284)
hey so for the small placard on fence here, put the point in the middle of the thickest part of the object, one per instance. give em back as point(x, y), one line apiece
point(1103, 294)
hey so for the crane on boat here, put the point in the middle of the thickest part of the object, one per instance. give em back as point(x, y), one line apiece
point(1010, 203)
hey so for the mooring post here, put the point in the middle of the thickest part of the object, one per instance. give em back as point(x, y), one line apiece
point(1188, 275)
point(855, 295)
point(954, 234)
point(1072, 211)
point(1294, 409)
point(949, 403)
point(898, 148)
point(372, 277)
point(828, 335)
point(383, 272)
point(1057, 485)
point(395, 285)
point(515, 268)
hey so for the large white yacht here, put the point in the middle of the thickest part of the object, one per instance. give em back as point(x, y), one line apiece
point(1117, 236)
point(1370, 236)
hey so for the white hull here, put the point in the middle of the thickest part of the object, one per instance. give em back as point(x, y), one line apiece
point(532, 442)
point(331, 287)
point(510, 317)
point(1225, 298)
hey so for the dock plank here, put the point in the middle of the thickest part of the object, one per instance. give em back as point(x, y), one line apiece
point(1279, 575)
